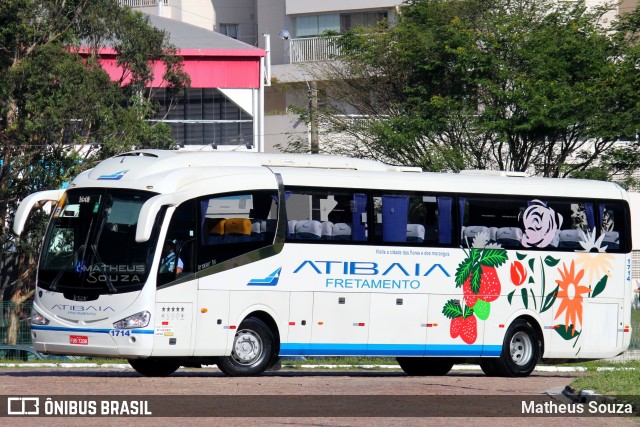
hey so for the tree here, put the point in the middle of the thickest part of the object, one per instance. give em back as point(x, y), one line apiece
point(527, 85)
point(59, 110)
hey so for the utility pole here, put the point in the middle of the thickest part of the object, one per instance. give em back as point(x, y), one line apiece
point(313, 117)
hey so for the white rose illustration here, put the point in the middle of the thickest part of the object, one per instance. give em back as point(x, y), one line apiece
point(540, 225)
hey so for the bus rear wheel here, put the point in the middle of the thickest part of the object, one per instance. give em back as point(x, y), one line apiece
point(252, 351)
point(520, 354)
point(425, 366)
point(154, 366)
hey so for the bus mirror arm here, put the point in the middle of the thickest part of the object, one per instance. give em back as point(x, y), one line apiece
point(148, 214)
point(22, 213)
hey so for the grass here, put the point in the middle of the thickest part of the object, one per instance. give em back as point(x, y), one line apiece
point(623, 382)
point(98, 361)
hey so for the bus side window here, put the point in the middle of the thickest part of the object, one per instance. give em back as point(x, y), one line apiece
point(611, 216)
point(413, 219)
point(321, 215)
point(234, 224)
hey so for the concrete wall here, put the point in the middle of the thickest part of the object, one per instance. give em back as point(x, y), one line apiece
point(194, 12)
point(240, 12)
point(282, 130)
point(271, 20)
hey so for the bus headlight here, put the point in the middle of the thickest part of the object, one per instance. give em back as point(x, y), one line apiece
point(38, 319)
point(138, 320)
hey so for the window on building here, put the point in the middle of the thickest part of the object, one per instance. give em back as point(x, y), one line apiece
point(230, 30)
point(349, 21)
point(313, 25)
point(195, 119)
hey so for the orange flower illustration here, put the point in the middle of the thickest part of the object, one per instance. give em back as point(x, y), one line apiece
point(570, 294)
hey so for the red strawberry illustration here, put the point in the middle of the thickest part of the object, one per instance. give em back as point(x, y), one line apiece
point(489, 284)
point(470, 297)
point(489, 287)
point(456, 327)
point(463, 323)
point(469, 332)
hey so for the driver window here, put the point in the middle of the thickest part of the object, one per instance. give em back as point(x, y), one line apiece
point(178, 249)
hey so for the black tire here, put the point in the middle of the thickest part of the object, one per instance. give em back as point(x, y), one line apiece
point(489, 367)
point(154, 366)
point(521, 350)
point(252, 351)
point(425, 366)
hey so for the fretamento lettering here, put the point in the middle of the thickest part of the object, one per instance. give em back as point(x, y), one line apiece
point(370, 268)
point(372, 284)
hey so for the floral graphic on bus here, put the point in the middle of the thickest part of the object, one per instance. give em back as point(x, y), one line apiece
point(518, 273)
point(528, 275)
point(540, 225)
point(478, 277)
point(595, 261)
point(570, 296)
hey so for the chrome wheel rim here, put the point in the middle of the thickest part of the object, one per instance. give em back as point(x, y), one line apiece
point(521, 348)
point(247, 348)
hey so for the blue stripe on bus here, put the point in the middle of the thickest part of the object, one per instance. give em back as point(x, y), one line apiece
point(327, 349)
point(87, 330)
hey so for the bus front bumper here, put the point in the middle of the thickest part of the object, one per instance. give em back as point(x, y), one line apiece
point(130, 343)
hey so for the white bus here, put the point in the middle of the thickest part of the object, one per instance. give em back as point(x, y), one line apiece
point(297, 255)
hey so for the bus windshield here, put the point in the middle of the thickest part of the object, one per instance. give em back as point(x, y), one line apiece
point(90, 246)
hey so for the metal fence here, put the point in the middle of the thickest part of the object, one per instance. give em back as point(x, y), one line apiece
point(24, 329)
point(310, 49)
point(24, 323)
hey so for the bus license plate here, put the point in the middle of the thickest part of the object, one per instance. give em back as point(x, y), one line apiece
point(79, 339)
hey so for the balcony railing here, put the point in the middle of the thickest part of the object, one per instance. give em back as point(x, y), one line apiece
point(311, 49)
point(142, 3)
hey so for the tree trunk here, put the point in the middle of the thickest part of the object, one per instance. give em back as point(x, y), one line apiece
point(13, 320)
point(22, 292)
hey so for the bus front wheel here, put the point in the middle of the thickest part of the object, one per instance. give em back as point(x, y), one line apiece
point(425, 366)
point(520, 352)
point(154, 366)
point(252, 350)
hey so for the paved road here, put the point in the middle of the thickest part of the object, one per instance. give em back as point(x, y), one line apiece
point(348, 393)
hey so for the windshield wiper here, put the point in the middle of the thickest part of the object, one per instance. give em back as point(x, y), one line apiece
point(100, 264)
point(53, 286)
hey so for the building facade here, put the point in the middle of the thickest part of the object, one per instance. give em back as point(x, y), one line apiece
point(292, 29)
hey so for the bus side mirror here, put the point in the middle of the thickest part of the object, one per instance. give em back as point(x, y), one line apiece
point(148, 214)
point(24, 209)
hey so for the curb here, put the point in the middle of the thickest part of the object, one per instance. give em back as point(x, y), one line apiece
point(458, 368)
point(588, 396)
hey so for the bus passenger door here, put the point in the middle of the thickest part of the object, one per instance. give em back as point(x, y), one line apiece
point(398, 324)
point(340, 323)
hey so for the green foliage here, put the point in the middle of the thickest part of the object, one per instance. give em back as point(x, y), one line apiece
point(452, 309)
point(494, 257)
point(535, 85)
point(60, 112)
